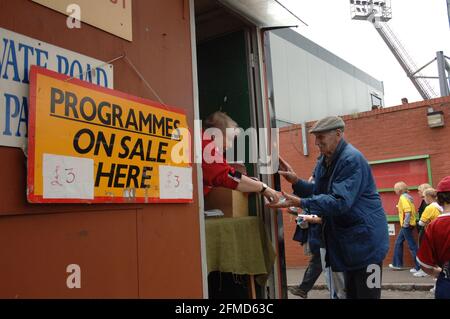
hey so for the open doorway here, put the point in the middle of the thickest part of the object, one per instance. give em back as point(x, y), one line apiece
point(226, 83)
point(224, 62)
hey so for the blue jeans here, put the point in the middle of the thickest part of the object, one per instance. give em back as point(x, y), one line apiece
point(405, 234)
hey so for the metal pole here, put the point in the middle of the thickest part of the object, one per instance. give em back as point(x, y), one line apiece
point(305, 139)
point(448, 9)
point(427, 77)
point(423, 66)
point(443, 84)
point(447, 66)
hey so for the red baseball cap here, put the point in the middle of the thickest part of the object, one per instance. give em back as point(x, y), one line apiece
point(444, 185)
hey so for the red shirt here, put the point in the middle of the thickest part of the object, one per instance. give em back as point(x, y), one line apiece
point(435, 245)
point(217, 173)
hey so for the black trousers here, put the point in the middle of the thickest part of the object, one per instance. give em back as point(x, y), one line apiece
point(364, 283)
point(312, 273)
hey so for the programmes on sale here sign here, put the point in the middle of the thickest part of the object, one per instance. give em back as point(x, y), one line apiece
point(91, 144)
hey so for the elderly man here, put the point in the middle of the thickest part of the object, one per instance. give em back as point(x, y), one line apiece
point(344, 195)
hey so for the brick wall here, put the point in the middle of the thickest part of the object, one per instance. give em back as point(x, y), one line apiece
point(394, 132)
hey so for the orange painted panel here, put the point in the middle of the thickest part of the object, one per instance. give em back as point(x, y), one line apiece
point(413, 173)
point(169, 253)
point(40, 248)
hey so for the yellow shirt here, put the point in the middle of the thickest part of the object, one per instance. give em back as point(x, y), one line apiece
point(430, 213)
point(406, 205)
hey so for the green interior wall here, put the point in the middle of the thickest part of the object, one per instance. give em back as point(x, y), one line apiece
point(223, 82)
point(223, 77)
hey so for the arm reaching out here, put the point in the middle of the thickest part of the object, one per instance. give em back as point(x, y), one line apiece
point(291, 200)
point(287, 171)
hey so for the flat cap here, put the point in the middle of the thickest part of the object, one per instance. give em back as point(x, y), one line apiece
point(327, 124)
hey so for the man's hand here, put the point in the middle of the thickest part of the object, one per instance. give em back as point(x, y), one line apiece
point(287, 172)
point(271, 195)
point(290, 201)
point(312, 219)
point(433, 271)
point(436, 271)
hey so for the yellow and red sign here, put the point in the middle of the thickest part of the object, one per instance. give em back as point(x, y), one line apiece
point(89, 144)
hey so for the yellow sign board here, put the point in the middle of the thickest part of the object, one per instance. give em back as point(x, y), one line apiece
point(113, 16)
point(91, 144)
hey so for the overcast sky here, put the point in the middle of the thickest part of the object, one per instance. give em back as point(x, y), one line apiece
point(421, 25)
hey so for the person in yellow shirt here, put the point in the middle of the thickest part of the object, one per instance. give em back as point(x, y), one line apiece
point(423, 204)
point(407, 217)
point(431, 212)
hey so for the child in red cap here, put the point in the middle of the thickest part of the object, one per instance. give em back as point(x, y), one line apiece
point(434, 252)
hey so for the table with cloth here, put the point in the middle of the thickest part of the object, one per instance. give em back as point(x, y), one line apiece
point(239, 246)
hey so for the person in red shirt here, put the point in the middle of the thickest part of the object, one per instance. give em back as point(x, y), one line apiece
point(218, 136)
point(434, 252)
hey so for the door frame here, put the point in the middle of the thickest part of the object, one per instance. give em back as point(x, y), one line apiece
point(262, 115)
point(198, 150)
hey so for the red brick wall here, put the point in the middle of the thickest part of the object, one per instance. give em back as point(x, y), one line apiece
point(394, 132)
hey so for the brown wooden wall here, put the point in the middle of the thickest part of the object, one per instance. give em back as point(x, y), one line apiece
point(147, 251)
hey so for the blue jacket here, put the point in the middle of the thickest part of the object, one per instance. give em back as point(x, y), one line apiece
point(345, 196)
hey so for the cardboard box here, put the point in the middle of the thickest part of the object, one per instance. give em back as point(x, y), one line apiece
point(232, 203)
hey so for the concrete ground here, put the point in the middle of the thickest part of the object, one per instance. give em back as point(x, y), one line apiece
point(385, 294)
point(395, 284)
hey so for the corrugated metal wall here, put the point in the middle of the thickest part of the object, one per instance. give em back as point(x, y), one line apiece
point(311, 83)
